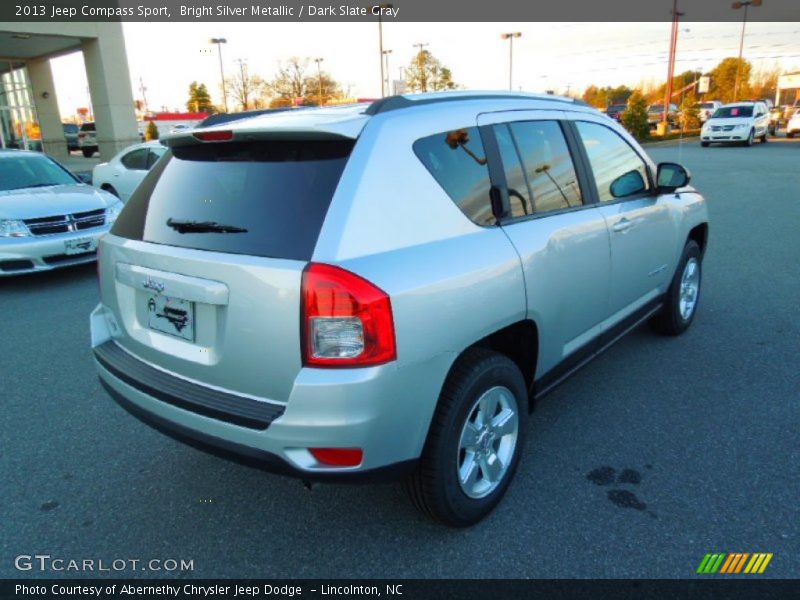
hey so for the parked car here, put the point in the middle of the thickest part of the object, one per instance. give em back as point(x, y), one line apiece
point(615, 111)
point(520, 235)
point(123, 173)
point(775, 119)
point(739, 122)
point(71, 136)
point(706, 109)
point(793, 125)
point(180, 127)
point(48, 218)
point(655, 114)
point(87, 139)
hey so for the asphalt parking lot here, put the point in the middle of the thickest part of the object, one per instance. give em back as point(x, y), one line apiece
point(659, 452)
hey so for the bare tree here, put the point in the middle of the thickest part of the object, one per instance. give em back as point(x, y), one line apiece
point(247, 89)
point(426, 73)
point(293, 81)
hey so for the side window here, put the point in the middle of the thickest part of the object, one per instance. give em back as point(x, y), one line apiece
point(618, 170)
point(547, 164)
point(136, 160)
point(457, 161)
point(153, 155)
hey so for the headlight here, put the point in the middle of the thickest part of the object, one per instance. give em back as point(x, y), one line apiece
point(13, 228)
point(112, 212)
point(742, 126)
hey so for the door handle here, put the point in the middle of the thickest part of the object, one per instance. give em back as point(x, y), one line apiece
point(622, 225)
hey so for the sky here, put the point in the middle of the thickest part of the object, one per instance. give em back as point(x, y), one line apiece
point(563, 57)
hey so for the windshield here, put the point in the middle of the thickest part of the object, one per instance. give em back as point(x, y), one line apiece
point(617, 107)
point(706, 105)
point(265, 198)
point(19, 171)
point(729, 112)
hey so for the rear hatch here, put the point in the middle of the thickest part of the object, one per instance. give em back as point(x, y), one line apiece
point(87, 135)
point(202, 269)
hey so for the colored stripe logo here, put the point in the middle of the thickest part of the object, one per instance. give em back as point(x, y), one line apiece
point(734, 563)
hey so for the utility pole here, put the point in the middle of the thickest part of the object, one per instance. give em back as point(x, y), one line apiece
point(735, 6)
point(380, 42)
point(143, 90)
point(319, 80)
point(388, 77)
point(219, 42)
point(423, 81)
point(673, 44)
point(510, 37)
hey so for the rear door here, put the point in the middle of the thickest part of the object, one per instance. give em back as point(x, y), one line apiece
point(560, 236)
point(202, 270)
point(641, 225)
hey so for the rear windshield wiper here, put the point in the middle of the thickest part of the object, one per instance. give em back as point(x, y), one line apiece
point(203, 227)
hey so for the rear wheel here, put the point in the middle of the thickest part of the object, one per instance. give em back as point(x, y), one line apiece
point(790, 134)
point(87, 152)
point(475, 439)
point(683, 295)
point(763, 138)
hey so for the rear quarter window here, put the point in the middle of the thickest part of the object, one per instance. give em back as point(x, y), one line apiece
point(457, 161)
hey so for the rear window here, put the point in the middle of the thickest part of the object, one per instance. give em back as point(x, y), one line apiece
point(87, 127)
point(264, 198)
point(733, 111)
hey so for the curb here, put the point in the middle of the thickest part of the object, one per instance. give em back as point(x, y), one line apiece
point(678, 140)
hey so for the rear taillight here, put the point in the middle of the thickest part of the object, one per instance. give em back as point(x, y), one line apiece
point(345, 320)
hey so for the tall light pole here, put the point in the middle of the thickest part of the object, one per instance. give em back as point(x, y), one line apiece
point(735, 6)
point(673, 44)
point(386, 54)
point(219, 42)
point(510, 37)
point(380, 8)
point(319, 80)
point(423, 82)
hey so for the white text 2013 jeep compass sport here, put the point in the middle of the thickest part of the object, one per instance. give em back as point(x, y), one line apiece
point(381, 291)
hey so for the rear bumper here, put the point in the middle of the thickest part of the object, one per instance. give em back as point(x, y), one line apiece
point(254, 457)
point(46, 252)
point(384, 410)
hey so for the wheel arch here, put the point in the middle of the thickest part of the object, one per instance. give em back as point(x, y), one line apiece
point(699, 234)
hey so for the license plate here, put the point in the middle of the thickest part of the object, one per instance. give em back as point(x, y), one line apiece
point(80, 245)
point(173, 316)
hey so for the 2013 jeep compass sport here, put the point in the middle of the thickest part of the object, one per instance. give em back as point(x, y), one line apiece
point(381, 291)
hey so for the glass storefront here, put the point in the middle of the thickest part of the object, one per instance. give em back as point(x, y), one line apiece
point(19, 127)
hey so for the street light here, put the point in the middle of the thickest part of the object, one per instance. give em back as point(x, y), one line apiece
point(380, 40)
point(736, 6)
point(219, 42)
point(510, 37)
point(386, 54)
point(319, 79)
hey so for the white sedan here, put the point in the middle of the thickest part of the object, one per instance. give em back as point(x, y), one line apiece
point(123, 173)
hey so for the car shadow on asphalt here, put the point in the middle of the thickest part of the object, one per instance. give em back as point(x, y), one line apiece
point(48, 280)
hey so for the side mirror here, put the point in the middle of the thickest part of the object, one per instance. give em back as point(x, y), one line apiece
point(627, 184)
point(671, 176)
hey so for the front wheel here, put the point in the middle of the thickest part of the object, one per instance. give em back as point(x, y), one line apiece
point(87, 153)
point(683, 295)
point(474, 442)
point(750, 138)
point(704, 144)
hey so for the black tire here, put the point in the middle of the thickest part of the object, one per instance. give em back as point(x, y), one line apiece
point(435, 488)
point(87, 153)
point(704, 144)
point(669, 320)
point(750, 138)
point(790, 134)
point(110, 189)
point(763, 138)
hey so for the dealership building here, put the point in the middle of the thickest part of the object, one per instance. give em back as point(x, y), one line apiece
point(29, 114)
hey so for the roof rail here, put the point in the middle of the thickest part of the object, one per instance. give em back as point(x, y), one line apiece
point(391, 103)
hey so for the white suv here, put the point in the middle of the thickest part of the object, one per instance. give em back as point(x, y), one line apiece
point(739, 122)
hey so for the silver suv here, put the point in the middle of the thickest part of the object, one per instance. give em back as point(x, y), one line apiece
point(383, 291)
